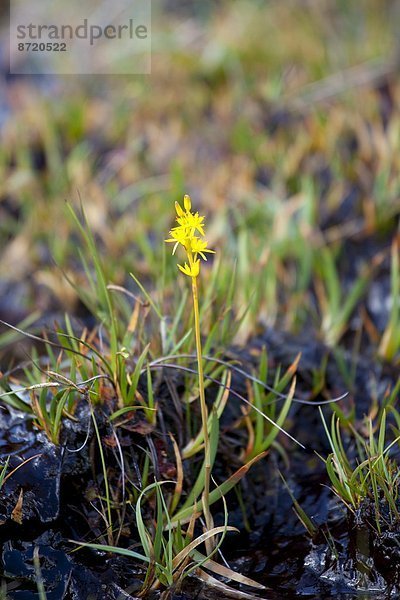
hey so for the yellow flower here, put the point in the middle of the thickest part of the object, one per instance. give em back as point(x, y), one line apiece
point(199, 246)
point(184, 234)
point(179, 235)
point(191, 221)
point(192, 270)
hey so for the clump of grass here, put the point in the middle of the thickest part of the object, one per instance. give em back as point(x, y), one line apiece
point(375, 474)
point(335, 305)
point(264, 423)
point(171, 551)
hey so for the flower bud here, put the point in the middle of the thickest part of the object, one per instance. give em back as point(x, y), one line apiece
point(179, 209)
point(187, 203)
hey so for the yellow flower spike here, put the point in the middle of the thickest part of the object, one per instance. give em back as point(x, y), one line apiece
point(184, 234)
point(187, 203)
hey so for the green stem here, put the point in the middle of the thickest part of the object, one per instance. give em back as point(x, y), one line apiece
point(203, 405)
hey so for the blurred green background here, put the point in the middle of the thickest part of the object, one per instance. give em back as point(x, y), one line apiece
point(280, 118)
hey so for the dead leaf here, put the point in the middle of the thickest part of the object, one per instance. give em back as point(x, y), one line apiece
point(16, 514)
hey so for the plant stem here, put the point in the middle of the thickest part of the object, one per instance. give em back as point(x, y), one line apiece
point(203, 406)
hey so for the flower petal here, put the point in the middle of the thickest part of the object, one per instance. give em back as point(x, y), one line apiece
point(179, 209)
